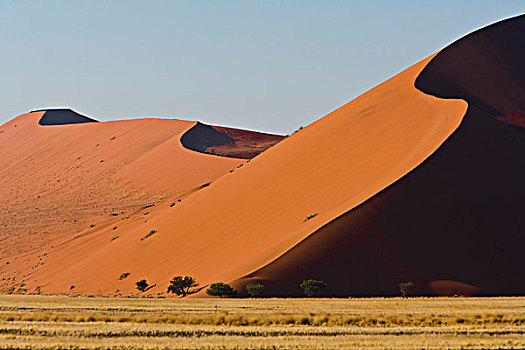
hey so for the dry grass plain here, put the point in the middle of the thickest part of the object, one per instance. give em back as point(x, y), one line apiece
point(61, 322)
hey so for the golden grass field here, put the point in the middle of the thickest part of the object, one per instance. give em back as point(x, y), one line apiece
point(61, 322)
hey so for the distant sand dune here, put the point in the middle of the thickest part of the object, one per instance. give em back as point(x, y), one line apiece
point(59, 179)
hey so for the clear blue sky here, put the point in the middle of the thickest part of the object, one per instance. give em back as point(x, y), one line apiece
point(264, 65)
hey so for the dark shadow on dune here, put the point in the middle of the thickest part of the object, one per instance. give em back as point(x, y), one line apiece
point(228, 142)
point(486, 68)
point(459, 215)
point(202, 136)
point(62, 117)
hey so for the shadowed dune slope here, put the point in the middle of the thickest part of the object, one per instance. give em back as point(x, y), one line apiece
point(62, 117)
point(57, 180)
point(252, 216)
point(202, 136)
point(228, 142)
point(459, 215)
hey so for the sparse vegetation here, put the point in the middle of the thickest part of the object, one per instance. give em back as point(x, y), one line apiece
point(92, 225)
point(123, 276)
point(221, 290)
point(254, 289)
point(142, 285)
point(206, 184)
point(313, 287)
point(183, 286)
point(406, 288)
point(112, 138)
point(309, 217)
point(172, 204)
point(114, 238)
point(151, 233)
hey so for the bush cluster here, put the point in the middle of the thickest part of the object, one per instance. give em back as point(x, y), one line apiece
point(186, 285)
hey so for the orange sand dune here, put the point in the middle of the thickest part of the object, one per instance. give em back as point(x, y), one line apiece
point(248, 218)
point(60, 179)
point(403, 183)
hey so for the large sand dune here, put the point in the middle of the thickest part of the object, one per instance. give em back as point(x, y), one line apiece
point(416, 180)
point(62, 172)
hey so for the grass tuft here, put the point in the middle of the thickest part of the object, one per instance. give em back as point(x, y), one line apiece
point(151, 233)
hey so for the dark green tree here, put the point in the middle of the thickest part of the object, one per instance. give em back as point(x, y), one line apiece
point(313, 287)
point(254, 289)
point(221, 289)
point(183, 286)
point(142, 285)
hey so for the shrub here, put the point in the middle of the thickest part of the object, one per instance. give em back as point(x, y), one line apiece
point(254, 289)
point(124, 275)
point(182, 285)
point(406, 288)
point(151, 233)
point(310, 217)
point(142, 285)
point(221, 289)
point(313, 287)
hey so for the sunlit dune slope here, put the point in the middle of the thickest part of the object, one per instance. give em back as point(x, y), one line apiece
point(250, 217)
point(60, 179)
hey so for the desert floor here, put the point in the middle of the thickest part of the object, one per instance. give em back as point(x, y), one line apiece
point(60, 322)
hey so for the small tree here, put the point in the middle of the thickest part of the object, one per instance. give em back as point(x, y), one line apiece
point(406, 288)
point(313, 287)
point(254, 289)
point(142, 285)
point(182, 286)
point(221, 289)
